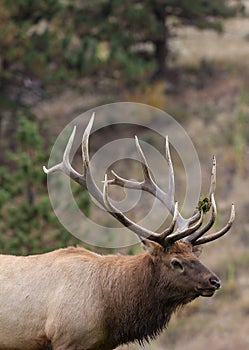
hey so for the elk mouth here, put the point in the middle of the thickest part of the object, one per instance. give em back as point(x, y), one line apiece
point(206, 292)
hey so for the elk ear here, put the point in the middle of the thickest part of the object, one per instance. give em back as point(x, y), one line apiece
point(153, 248)
point(197, 250)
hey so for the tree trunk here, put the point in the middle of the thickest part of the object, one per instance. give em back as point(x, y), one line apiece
point(161, 54)
point(161, 44)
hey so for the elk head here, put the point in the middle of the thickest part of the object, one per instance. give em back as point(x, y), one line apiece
point(181, 270)
point(174, 250)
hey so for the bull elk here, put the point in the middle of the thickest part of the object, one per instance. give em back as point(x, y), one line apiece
point(72, 298)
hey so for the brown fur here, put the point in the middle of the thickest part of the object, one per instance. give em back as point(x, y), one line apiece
point(44, 343)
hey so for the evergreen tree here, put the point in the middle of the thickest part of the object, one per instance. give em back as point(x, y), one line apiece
point(54, 39)
point(128, 26)
point(28, 224)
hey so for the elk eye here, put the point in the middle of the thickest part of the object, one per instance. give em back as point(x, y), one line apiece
point(176, 264)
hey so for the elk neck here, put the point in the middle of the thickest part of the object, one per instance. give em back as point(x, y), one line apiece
point(139, 302)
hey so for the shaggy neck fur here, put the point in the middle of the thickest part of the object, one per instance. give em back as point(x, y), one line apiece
point(140, 302)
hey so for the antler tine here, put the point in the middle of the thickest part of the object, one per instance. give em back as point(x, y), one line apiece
point(145, 167)
point(171, 184)
point(213, 178)
point(140, 231)
point(85, 145)
point(120, 181)
point(65, 165)
point(220, 233)
point(147, 184)
point(170, 229)
point(182, 222)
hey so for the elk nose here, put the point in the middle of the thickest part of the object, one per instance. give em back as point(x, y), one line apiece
point(215, 282)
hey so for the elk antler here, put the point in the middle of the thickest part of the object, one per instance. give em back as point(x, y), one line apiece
point(187, 229)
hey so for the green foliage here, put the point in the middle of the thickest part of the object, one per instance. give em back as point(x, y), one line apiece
point(27, 222)
point(204, 205)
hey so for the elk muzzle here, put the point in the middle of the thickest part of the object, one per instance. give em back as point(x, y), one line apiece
point(210, 287)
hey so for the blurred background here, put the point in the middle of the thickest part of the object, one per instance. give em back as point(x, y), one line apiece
point(60, 58)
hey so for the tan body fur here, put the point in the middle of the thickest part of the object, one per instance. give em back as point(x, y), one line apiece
point(53, 296)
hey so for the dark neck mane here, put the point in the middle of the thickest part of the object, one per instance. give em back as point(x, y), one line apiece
point(141, 305)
